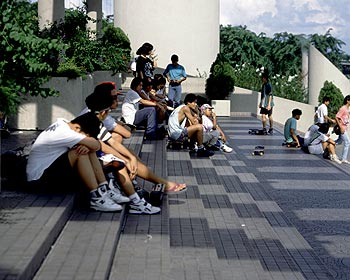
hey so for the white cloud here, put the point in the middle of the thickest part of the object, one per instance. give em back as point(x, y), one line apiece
point(293, 16)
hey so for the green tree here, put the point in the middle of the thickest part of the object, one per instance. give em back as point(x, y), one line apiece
point(25, 56)
point(335, 95)
point(220, 83)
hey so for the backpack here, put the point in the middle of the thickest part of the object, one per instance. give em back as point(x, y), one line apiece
point(14, 163)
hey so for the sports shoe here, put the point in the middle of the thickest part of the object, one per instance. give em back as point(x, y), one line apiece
point(104, 204)
point(204, 153)
point(335, 159)
point(270, 131)
point(115, 194)
point(345, 161)
point(143, 207)
point(226, 148)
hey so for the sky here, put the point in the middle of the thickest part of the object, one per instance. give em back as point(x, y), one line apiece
point(292, 16)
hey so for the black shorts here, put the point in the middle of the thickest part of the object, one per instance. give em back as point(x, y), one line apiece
point(264, 111)
point(59, 174)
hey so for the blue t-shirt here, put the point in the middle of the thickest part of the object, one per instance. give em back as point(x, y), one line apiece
point(175, 72)
point(290, 123)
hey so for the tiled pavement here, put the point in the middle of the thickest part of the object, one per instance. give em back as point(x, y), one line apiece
point(284, 215)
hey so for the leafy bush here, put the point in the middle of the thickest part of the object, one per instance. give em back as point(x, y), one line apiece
point(25, 56)
point(221, 81)
point(335, 95)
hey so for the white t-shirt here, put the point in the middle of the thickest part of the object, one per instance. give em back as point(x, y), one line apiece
point(315, 142)
point(308, 134)
point(130, 106)
point(207, 124)
point(322, 111)
point(57, 139)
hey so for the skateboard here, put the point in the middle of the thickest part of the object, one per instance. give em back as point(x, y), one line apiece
point(258, 151)
point(256, 131)
point(177, 145)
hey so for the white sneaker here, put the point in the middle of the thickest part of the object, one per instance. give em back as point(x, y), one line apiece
point(345, 161)
point(143, 207)
point(226, 148)
point(104, 204)
point(115, 194)
point(335, 159)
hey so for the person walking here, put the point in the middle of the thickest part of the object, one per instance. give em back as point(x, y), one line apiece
point(342, 118)
point(175, 74)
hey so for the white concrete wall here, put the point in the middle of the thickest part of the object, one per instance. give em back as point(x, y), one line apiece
point(39, 113)
point(245, 102)
point(321, 70)
point(189, 29)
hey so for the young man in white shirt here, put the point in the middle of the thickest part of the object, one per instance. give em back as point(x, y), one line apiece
point(322, 111)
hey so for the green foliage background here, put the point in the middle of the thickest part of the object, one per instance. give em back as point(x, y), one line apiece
point(335, 95)
point(30, 57)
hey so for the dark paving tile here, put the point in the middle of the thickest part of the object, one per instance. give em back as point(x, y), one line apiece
point(216, 201)
point(206, 176)
point(232, 184)
point(247, 210)
point(190, 232)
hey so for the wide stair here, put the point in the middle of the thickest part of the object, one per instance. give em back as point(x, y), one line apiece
point(51, 236)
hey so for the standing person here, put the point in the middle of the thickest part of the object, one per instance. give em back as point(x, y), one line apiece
point(146, 62)
point(342, 118)
point(175, 74)
point(266, 102)
point(290, 129)
point(322, 111)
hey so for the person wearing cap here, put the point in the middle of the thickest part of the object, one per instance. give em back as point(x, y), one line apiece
point(213, 136)
point(133, 165)
point(117, 130)
point(175, 74)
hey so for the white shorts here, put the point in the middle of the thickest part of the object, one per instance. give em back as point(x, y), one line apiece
point(316, 149)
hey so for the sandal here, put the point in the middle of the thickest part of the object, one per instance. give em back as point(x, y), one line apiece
point(178, 188)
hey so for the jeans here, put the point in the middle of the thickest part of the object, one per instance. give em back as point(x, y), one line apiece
point(346, 139)
point(148, 114)
point(174, 94)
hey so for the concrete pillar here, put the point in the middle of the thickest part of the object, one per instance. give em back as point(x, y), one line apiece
point(94, 10)
point(50, 11)
point(305, 67)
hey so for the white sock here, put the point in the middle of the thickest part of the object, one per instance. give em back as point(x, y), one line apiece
point(134, 198)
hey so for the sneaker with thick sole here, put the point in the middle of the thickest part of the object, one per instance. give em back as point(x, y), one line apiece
point(226, 148)
point(104, 204)
point(335, 159)
point(143, 207)
point(345, 161)
point(115, 194)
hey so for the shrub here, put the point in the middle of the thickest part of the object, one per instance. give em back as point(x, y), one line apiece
point(335, 95)
point(220, 83)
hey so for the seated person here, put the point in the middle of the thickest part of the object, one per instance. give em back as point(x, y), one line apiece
point(66, 150)
point(102, 99)
point(148, 93)
point(290, 130)
point(318, 141)
point(213, 134)
point(134, 165)
point(118, 131)
point(183, 124)
point(132, 113)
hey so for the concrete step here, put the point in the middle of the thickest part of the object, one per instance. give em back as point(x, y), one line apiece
point(30, 223)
